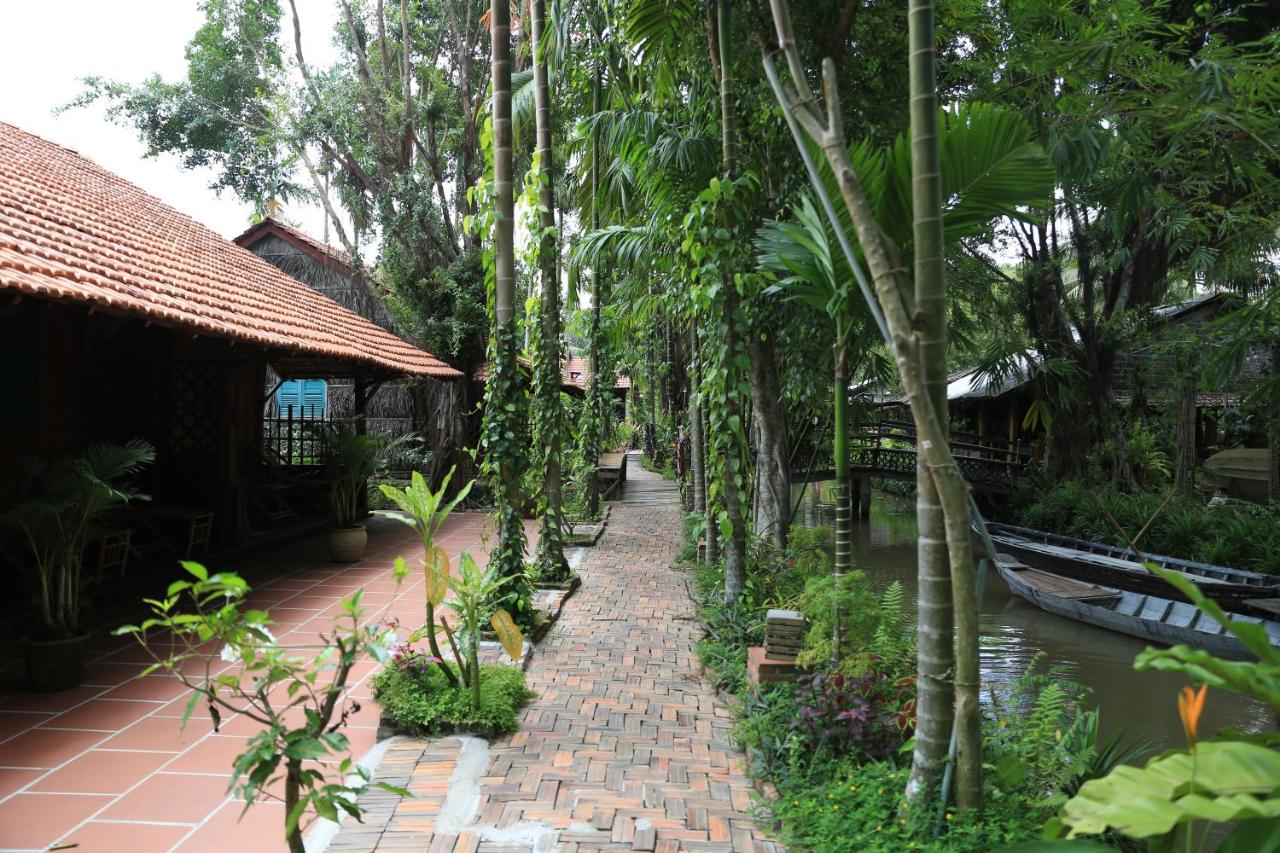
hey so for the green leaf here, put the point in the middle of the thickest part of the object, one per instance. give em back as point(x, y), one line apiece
point(1221, 782)
point(1062, 845)
point(189, 708)
point(393, 789)
point(295, 815)
point(306, 748)
point(195, 569)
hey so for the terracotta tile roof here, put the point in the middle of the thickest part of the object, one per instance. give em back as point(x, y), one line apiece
point(304, 241)
point(577, 372)
point(71, 230)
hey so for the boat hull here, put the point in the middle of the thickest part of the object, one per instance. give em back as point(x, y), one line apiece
point(1097, 563)
point(1147, 617)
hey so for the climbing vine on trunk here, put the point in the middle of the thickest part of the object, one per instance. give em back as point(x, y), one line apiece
point(714, 246)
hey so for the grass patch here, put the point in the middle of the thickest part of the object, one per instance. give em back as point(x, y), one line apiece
point(422, 703)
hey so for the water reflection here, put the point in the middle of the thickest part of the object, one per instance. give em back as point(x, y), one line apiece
point(1013, 632)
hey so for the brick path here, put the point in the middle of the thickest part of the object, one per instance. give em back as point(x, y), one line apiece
point(625, 748)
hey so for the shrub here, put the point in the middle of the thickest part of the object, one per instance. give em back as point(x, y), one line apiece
point(842, 806)
point(419, 701)
point(867, 717)
point(1235, 534)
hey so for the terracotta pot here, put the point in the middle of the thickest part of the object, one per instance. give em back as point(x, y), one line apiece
point(55, 664)
point(346, 544)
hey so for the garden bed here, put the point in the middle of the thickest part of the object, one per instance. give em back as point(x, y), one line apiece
point(419, 702)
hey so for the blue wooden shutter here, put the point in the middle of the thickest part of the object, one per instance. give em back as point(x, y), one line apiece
point(313, 398)
point(307, 397)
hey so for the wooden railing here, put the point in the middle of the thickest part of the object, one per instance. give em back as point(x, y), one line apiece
point(888, 448)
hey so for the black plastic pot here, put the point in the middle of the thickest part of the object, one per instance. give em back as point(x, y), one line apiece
point(55, 664)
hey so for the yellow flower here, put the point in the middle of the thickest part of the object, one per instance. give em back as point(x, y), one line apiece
point(1190, 706)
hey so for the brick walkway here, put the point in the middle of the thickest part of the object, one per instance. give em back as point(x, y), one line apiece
point(625, 748)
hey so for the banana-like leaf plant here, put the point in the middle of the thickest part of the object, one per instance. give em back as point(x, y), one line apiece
point(425, 511)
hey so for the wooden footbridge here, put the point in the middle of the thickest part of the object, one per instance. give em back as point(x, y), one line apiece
point(888, 449)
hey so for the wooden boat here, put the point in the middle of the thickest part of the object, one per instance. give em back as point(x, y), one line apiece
point(1148, 617)
point(1118, 568)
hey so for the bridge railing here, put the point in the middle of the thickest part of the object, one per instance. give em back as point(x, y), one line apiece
point(889, 447)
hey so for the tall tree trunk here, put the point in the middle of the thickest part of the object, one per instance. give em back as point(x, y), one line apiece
point(708, 506)
point(591, 406)
point(550, 539)
point(946, 596)
point(773, 459)
point(735, 546)
point(1184, 459)
point(1273, 436)
point(651, 403)
point(696, 460)
point(503, 388)
point(844, 496)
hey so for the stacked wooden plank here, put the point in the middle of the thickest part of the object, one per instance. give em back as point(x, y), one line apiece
point(783, 634)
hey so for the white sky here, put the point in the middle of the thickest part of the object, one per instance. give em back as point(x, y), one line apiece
point(43, 58)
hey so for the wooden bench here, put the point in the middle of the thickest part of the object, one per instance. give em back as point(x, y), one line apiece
point(611, 472)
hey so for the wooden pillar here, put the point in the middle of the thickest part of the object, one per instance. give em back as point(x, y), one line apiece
point(862, 495)
point(361, 404)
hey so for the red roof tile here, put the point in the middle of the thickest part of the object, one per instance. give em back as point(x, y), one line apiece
point(577, 372)
point(71, 230)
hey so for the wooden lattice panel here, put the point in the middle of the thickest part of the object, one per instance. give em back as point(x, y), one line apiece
point(193, 424)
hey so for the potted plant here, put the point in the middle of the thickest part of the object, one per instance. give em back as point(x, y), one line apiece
point(55, 508)
point(352, 458)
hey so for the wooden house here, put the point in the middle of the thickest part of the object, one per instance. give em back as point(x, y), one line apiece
point(122, 318)
point(397, 408)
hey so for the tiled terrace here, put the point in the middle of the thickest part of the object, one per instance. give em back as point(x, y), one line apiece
point(105, 767)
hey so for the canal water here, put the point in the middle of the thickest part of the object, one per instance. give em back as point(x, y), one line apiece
point(1143, 704)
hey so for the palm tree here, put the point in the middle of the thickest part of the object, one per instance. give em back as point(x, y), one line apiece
point(993, 168)
point(502, 394)
point(550, 542)
point(939, 586)
point(735, 545)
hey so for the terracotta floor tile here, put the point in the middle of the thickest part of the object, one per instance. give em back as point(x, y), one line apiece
point(37, 820)
point(98, 837)
point(162, 733)
point(17, 722)
point(214, 754)
point(159, 688)
point(12, 780)
point(60, 701)
point(46, 747)
point(106, 673)
point(177, 707)
point(102, 772)
point(260, 831)
point(106, 714)
point(172, 797)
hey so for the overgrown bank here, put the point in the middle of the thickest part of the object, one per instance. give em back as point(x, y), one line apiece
point(1236, 534)
point(836, 746)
